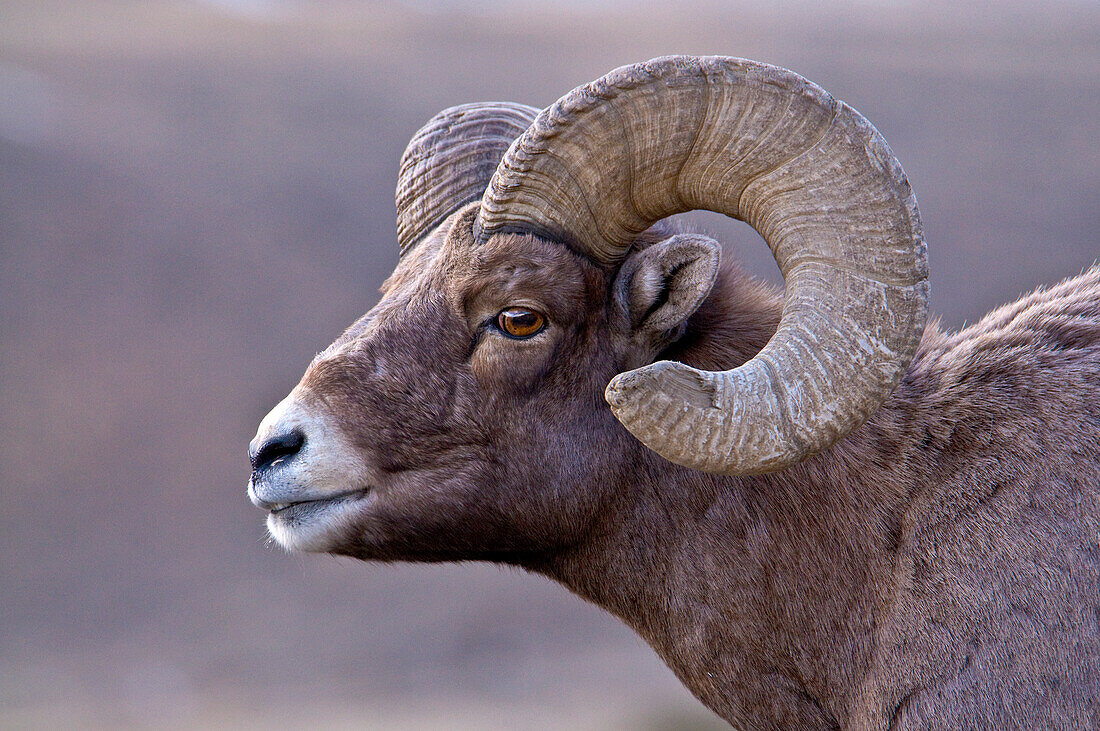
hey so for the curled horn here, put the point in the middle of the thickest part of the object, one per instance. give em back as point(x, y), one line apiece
point(809, 173)
point(449, 161)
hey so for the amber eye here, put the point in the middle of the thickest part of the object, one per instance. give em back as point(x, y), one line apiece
point(520, 322)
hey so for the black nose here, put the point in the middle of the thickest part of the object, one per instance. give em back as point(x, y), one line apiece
point(277, 449)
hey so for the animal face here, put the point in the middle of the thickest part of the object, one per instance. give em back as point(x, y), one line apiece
point(462, 417)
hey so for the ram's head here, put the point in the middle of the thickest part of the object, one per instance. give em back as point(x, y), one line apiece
point(496, 400)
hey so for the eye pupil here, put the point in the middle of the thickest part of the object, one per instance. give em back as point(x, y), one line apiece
point(519, 322)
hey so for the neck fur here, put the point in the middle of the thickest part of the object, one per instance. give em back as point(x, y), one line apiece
point(774, 583)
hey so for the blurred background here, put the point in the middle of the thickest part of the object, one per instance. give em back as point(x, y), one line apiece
point(195, 197)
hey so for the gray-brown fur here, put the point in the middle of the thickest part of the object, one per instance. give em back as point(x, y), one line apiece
point(936, 568)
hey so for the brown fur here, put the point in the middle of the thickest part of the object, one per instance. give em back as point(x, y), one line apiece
point(937, 568)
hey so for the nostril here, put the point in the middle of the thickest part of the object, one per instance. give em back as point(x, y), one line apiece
point(277, 449)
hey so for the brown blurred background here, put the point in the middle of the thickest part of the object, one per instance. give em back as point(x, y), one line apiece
point(197, 196)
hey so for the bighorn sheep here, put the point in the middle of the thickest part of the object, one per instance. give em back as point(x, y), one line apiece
point(818, 510)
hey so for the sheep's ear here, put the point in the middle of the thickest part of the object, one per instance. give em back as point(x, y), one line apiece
point(658, 288)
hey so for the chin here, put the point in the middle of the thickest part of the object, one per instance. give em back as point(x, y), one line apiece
point(316, 527)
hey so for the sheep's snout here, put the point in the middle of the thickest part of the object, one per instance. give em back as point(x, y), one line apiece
point(304, 474)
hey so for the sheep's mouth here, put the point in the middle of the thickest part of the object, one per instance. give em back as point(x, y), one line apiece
point(314, 523)
point(299, 507)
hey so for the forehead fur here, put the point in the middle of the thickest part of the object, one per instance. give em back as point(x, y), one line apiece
point(416, 260)
point(447, 266)
point(523, 269)
point(508, 268)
